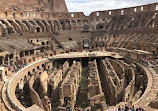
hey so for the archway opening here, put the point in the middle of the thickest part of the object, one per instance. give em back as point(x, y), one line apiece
point(37, 29)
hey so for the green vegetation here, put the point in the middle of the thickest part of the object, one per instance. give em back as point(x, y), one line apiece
point(81, 100)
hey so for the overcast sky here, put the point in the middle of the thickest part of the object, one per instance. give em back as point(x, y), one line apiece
point(88, 6)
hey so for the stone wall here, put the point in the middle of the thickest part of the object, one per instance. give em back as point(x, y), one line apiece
point(65, 67)
point(69, 86)
point(95, 93)
point(34, 95)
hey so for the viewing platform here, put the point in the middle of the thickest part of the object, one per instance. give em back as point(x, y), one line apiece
point(94, 54)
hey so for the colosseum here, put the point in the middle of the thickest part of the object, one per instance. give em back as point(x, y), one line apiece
point(55, 60)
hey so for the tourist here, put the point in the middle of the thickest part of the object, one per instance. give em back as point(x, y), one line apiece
point(140, 109)
point(133, 108)
point(123, 109)
point(76, 109)
point(126, 107)
point(137, 109)
point(119, 108)
point(130, 109)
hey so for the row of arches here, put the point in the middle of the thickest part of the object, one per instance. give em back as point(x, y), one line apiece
point(141, 20)
point(10, 59)
point(5, 59)
point(30, 72)
point(37, 26)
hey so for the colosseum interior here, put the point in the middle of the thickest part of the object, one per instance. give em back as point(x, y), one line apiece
point(55, 60)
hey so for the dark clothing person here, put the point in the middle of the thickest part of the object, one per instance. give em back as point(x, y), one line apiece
point(132, 109)
point(119, 109)
point(126, 108)
point(140, 109)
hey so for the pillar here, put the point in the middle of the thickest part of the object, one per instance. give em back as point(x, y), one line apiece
point(23, 54)
point(3, 74)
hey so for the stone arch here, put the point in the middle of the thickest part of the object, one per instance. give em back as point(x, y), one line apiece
point(38, 68)
point(85, 22)
point(86, 26)
point(35, 25)
point(51, 25)
point(22, 54)
point(31, 51)
point(32, 22)
point(3, 29)
point(16, 26)
point(6, 59)
point(43, 66)
point(27, 53)
point(33, 70)
point(79, 24)
point(43, 43)
point(29, 73)
point(73, 25)
point(100, 26)
point(41, 25)
point(25, 79)
point(38, 29)
point(11, 56)
point(1, 60)
point(23, 26)
point(56, 25)
point(63, 24)
point(29, 25)
point(47, 26)
point(10, 29)
point(67, 25)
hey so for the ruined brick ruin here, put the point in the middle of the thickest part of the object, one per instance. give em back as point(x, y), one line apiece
point(54, 60)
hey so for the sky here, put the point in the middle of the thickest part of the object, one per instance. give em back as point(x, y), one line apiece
point(88, 6)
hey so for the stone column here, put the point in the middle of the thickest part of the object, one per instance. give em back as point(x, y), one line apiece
point(28, 52)
point(3, 61)
point(23, 54)
point(3, 74)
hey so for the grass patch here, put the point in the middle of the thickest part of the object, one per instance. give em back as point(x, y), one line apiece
point(81, 100)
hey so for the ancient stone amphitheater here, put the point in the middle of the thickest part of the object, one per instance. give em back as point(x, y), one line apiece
point(54, 60)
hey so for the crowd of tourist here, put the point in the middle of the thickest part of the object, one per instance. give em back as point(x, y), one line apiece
point(17, 67)
point(123, 108)
point(76, 109)
point(128, 108)
point(152, 60)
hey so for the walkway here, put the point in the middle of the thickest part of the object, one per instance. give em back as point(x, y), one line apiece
point(86, 55)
